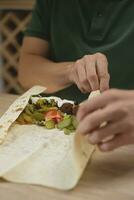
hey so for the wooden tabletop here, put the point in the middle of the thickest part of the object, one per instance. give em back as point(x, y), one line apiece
point(110, 176)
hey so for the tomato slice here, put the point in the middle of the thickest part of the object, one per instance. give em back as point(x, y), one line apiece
point(54, 115)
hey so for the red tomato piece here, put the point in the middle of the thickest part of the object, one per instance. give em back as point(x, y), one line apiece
point(54, 115)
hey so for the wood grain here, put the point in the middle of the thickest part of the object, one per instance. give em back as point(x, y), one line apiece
point(110, 176)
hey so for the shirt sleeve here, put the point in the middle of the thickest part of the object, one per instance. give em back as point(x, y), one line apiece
point(39, 24)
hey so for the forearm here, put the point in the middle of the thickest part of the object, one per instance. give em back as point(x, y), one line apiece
point(35, 70)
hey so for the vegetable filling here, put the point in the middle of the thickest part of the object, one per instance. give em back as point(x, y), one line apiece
point(46, 112)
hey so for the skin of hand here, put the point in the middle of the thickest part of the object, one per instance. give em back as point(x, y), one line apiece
point(116, 107)
point(35, 68)
point(90, 73)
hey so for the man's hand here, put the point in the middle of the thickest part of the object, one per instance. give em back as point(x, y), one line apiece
point(116, 107)
point(90, 73)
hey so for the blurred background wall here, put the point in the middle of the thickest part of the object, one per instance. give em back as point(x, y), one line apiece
point(14, 17)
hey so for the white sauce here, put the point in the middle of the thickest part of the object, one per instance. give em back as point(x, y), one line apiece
point(57, 99)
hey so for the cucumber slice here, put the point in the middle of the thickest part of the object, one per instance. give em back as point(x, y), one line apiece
point(74, 122)
point(64, 123)
point(38, 116)
point(50, 124)
point(67, 131)
point(71, 128)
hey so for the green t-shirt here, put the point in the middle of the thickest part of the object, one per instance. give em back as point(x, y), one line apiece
point(75, 28)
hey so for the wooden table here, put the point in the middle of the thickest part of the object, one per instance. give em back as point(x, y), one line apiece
point(110, 176)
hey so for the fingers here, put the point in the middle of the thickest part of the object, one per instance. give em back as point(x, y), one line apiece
point(82, 76)
point(89, 106)
point(91, 73)
point(118, 141)
point(102, 71)
point(92, 121)
point(74, 78)
point(98, 102)
point(110, 129)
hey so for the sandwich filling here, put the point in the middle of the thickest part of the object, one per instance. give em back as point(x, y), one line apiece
point(50, 112)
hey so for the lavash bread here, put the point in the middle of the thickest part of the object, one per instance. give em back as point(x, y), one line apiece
point(32, 154)
point(17, 143)
point(15, 110)
point(58, 164)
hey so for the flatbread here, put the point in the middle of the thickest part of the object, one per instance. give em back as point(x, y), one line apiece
point(15, 110)
point(18, 143)
point(32, 154)
point(59, 163)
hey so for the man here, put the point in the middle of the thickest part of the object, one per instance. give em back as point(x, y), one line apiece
point(61, 33)
point(68, 43)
